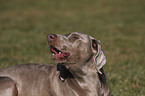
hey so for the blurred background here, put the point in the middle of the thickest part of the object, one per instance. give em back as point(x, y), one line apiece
point(119, 24)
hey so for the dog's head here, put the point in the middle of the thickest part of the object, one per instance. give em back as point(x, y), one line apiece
point(75, 48)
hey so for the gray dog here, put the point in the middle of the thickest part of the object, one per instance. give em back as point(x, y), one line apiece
point(79, 70)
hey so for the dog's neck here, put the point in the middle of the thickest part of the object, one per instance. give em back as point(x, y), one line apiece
point(78, 72)
point(64, 72)
point(84, 76)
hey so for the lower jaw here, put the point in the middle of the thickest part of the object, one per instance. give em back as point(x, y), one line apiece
point(59, 61)
point(56, 61)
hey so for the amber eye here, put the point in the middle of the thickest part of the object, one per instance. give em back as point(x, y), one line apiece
point(75, 37)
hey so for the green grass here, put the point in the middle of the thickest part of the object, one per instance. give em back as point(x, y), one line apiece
point(119, 24)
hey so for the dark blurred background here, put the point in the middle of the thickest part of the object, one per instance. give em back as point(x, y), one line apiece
point(119, 24)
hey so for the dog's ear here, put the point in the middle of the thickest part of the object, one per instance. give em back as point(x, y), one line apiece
point(99, 57)
point(95, 44)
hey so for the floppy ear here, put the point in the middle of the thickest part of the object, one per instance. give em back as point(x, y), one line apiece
point(99, 58)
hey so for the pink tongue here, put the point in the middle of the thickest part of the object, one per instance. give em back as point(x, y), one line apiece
point(54, 51)
point(59, 56)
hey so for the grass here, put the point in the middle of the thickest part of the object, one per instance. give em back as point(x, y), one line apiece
point(120, 25)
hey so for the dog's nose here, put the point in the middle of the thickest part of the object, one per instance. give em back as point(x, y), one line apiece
point(52, 37)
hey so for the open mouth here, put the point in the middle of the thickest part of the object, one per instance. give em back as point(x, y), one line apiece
point(58, 55)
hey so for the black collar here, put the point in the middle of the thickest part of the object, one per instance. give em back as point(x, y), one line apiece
point(64, 72)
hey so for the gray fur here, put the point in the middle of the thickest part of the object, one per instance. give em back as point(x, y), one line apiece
point(43, 80)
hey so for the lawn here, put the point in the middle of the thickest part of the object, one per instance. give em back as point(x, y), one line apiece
point(119, 24)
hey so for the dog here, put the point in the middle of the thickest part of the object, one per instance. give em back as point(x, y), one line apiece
point(78, 70)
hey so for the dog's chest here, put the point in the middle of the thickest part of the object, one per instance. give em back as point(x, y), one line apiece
point(92, 84)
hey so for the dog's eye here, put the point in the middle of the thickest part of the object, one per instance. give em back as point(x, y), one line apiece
point(76, 37)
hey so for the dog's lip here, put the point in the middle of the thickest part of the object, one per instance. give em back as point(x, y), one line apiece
point(58, 55)
point(54, 50)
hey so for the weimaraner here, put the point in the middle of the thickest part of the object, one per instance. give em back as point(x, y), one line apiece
point(79, 70)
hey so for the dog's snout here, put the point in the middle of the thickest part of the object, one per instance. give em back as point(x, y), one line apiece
point(52, 37)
